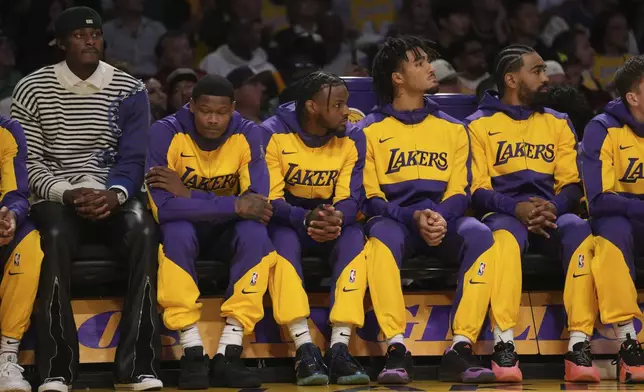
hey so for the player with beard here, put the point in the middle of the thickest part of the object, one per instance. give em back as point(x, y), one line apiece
point(526, 186)
point(315, 165)
point(417, 180)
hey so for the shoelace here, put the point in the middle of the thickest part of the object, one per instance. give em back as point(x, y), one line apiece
point(345, 356)
point(634, 351)
point(583, 357)
point(506, 355)
point(7, 368)
point(395, 359)
point(143, 377)
point(55, 379)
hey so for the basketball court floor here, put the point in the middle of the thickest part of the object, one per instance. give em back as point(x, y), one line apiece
point(435, 386)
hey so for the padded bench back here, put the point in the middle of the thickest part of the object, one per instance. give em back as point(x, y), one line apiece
point(363, 98)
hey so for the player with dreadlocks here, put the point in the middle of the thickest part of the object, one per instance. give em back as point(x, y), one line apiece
point(315, 162)
point(526, 187)
point(417, 180)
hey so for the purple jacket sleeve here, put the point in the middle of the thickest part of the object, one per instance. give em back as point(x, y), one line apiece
point(253, 174)
point(568, 198)
point(598, 174)
point(350, 179)
point(200, 207)
point(14, 175)
point(460, 183)
point(288, 215)
point(485, 200)
point(377, 206)
point(134, 123)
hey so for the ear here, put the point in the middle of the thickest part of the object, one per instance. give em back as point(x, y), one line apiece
point(631, 99)
point(510, 80)
point(311, 107)
point(192, 106)
point(233, 106)
point(397, 78)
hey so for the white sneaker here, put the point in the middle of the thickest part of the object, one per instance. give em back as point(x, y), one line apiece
point(144, 382)
point(55, 384)
point(11, 379)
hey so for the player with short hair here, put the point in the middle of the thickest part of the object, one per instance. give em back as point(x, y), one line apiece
point(612, 155)
point(526, 187)
point(208, 190)
point(20, 254)
point(417, 179)
point(315, 159)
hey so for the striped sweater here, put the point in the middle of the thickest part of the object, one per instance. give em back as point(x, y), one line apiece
point(93, 139)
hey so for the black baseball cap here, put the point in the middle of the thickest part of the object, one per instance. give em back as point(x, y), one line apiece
point(180, 75)
point(246, 74)
point(75, 18)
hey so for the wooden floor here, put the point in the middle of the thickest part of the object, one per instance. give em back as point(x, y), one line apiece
point(435, 386)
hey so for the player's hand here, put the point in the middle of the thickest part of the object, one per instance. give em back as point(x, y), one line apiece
point(543, 217)
point(97, 205)
point(253, 206)
point(324, 223)
point(70, 196)
point(7, 226)
point(161, 177)
point(523, 211)
point(431, 225)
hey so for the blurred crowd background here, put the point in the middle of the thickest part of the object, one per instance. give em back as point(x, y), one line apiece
point(263, 46)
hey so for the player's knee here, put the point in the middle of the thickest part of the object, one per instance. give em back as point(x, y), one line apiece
point(352, 233)
point(474, 231)
point(179, 237)
point(386, 230)
point(251, 232)
point(573, 223)
point(281, 233)
point(616, 229)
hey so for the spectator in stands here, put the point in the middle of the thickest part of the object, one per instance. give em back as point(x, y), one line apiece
point(312, 135)
point(525, 27)
point(410, 213)
point(415, 18)
point(555, 73)
point(303, 17)
point(158, 99)
point(454, 21)
point(244, 37)
point(489, 24)
point(609, 38)
point(341, 57)
point(36, 51)
point(132, 37)
point(535, 205)
point(209, 140)
point(180, 84)
point(20, 254)
point(611, 157)
point(174, 50)
point(249, 91)
point(567, 99)
point(470, 62)
point(447, 77)
point(85, 168)
point(576, 55)
point(9, 75)
point(488, 84)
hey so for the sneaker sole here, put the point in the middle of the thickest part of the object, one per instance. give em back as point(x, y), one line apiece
point(15, 388)
point(240, 385)
point(355, 379)
point(394, 377)
point(485, 377)
point(195, 384)
point(154, 385)
point(316, 379)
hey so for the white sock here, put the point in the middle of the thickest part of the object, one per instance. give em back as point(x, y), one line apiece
point(189, 337)
point(396, 339)
point(576, 337)
point(233, 334)
point(503, 336)
point(341, 333)
point(460, 338)
point(299, 330)
point(9, 349)
point(623, 328)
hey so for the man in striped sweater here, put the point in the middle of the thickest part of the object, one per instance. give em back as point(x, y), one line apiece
point(86, 126)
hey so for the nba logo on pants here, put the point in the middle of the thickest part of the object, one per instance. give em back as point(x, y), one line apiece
point(481, 269)
point(352, 276)
point(253, 278)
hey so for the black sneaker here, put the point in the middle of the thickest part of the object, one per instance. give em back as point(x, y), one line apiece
point(579, 364)
point(228, 371)
point(630, 362)
point(505, 363)
point(399, 366)
point(143, 382)
point(309, 366)
point(459, 364)
point(194, 369)
point(343, 368)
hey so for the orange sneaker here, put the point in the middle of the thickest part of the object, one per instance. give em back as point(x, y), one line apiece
point(505, 363)
point(579, 364)
point(630, 362)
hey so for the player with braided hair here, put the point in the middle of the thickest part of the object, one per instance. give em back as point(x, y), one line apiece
point(526, 187)
point(315, 162)
point(417, 180)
